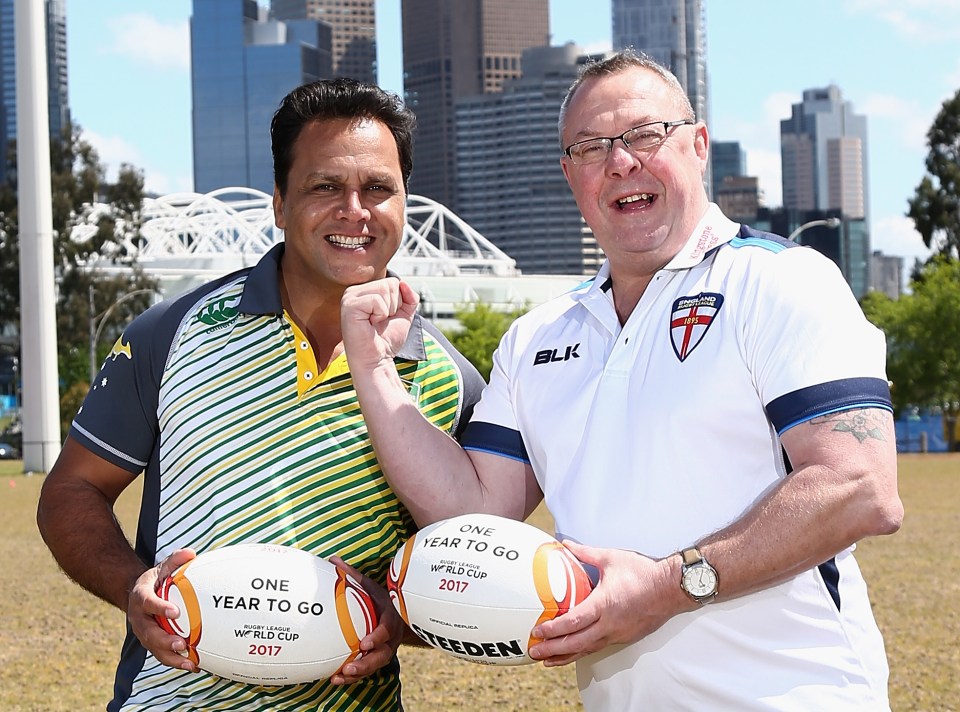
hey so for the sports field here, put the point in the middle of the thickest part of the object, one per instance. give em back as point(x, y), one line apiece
point(58, 644)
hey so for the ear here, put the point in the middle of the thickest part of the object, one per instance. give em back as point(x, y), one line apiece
point(565, 165)
point(701, 145)
point(278, 218)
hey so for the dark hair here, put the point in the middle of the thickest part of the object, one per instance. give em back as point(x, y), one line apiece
point(339, 98)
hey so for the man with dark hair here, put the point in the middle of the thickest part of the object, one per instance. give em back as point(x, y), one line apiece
point(708, 421)
point(236, 402)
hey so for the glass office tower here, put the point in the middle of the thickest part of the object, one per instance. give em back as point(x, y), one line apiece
point(452, 49)
point(510, 186)
point(242, 65)
point(58, 104)
point(823, 148)
point(674, 33)
point(354, 27)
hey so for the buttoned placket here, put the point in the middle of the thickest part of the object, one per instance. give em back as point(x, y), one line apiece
point(623, 355)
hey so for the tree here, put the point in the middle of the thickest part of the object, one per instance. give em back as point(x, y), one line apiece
point(94, 226)
point(482, 328)
point(935, 208)
point(923, 341)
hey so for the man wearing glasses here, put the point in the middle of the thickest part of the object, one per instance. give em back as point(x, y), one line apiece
point(708, 421)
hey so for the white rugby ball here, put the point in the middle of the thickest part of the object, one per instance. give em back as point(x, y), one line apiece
point(266, 614)
point(476, 585)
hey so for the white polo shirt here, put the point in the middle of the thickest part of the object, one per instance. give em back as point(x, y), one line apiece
point(653, 435)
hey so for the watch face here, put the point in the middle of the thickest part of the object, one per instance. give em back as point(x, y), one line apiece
point(700, 581)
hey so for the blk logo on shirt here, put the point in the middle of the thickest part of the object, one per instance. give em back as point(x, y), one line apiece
point(555, 355)
point(690, 320)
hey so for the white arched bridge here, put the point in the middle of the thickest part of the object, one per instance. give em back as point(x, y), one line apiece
point(189, 238)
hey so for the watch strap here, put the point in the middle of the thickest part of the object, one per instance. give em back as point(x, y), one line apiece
point(691, 556)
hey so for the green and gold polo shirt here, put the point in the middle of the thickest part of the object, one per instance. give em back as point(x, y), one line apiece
point(216, 397)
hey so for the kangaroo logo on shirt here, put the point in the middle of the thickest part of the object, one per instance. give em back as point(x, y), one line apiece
point(691, 318)
point(120, 349)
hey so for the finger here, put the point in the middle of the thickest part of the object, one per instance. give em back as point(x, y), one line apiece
point(577, 619)
point(347, 568)
point(410, 299)
point(366, 664)
point(565, 649)
point(559, 660)
point(173, 659)
point(169, 565)
point(380, 635)
point(365, 306)
point(585, 554)
point(168, 649)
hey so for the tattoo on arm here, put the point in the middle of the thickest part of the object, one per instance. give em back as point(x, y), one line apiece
point(862, 424)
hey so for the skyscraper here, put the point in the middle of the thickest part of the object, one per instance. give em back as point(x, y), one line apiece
point(729, 160)
point(242, 65)
point(452, 49)
point(56, 20)
point(354, 28)
point(823, 149)
point(673, 32)
point(509, 181)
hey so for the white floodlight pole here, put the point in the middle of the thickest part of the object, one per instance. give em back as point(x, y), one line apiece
point(38, 330)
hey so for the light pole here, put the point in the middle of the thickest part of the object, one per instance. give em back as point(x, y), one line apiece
point(96, 328)
point(826, 222)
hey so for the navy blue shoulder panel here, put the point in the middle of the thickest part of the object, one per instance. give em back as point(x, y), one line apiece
point(146, 342)
point(748, 237)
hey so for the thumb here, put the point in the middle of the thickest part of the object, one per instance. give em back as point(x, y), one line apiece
point(409, 298)
point(589, 557)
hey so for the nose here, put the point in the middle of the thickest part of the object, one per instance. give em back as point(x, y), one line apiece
point(621, 161)
point(352, 207)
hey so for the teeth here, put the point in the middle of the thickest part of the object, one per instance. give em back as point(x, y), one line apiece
point(348, 241)
point(634, 198)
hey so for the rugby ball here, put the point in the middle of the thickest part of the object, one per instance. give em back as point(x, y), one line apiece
point(476, 585)
point(266, 614)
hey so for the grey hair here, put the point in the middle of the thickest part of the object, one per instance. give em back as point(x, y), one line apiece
point(618, 62)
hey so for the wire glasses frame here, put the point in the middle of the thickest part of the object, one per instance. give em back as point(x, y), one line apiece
point(640, 138)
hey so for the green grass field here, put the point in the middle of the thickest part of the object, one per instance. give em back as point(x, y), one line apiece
point(59, 645)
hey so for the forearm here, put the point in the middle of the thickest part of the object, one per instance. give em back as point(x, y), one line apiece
point(78, 525)
point(428, 469)
point(836, 496)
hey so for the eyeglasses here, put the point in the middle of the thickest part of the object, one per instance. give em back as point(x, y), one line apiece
point(640, 138)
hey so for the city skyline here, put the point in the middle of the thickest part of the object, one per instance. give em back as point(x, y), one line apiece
point(452, 51)
point(752, 83)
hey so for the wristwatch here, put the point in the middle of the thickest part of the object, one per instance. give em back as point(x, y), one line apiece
point(698, 578)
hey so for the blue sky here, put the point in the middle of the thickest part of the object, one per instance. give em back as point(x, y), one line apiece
point(896, 60)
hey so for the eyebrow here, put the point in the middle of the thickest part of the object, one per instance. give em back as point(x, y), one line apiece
point(334, 177)
point(587, 134)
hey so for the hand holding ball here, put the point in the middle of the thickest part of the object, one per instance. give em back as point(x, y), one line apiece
point(266, 614)
point(476, 585)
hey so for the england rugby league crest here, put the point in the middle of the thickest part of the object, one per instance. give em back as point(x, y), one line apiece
point(690, 320)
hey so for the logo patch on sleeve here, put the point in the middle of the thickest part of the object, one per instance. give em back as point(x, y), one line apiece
point(691, 318)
